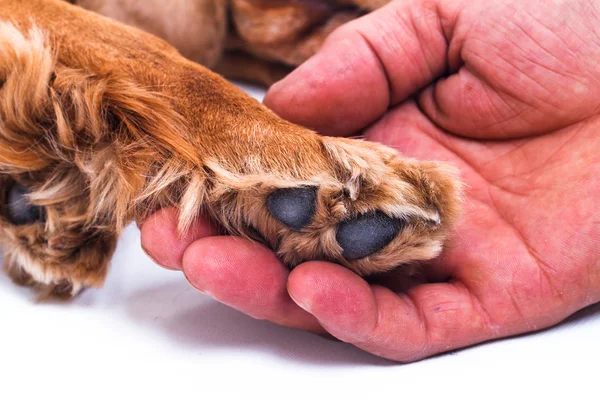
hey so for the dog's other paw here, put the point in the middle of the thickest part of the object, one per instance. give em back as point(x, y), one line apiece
point(365, 207)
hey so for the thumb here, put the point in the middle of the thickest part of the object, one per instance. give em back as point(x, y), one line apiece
point(366, 66)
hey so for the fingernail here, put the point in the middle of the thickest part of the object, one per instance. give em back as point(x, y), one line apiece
point(286, 86)
point(148, 254)
point(156, 261)
point(305, 305)
point(206, 292)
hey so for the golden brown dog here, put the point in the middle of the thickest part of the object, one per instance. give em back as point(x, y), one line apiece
point(102, 124)
point(257, 40)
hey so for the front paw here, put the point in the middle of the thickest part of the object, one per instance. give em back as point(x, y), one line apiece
point(366, 207)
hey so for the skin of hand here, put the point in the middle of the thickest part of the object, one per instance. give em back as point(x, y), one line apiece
point(508, 91)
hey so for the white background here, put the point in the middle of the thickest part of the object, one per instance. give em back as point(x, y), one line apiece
point(148, 334)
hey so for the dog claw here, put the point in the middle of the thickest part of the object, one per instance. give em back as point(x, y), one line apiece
point(294, 207)
point(366, 234)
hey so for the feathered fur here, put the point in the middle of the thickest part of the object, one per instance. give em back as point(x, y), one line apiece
point(106, 132)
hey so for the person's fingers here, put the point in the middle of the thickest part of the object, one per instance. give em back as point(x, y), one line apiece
point(161, 241)
point(426, 320)
point(366, 66)
point(246, 276)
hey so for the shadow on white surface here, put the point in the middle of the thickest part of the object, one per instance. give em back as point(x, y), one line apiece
point(207, 326)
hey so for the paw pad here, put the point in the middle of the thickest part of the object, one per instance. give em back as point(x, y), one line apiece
point(294, 207)
point(366, 234)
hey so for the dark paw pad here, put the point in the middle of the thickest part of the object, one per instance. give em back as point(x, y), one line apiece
point(294, 207)
point(366, 234)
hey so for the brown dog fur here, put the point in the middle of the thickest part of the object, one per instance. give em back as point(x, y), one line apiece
point(105, 123)
point(255, 40)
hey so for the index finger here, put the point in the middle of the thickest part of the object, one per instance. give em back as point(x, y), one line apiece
point(247, 276)
point(426, 320)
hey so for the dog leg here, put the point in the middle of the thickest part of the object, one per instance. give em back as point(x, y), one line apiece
point(137, 126)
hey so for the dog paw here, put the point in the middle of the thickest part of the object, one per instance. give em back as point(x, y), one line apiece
point(365, 207)
point(97, 150)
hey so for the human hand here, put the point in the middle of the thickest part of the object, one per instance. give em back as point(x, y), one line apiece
point(506, 90)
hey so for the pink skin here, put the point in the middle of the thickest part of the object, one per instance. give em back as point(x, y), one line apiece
point(525, 255)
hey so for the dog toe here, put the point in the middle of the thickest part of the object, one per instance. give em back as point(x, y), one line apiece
point(294, 207)
point(366, 234)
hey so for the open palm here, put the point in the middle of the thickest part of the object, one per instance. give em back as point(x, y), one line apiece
point(517, 112)
point(526, 254)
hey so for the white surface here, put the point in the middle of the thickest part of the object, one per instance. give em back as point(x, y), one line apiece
point(148, 334)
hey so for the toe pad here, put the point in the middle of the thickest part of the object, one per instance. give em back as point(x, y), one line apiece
point(294, 207)
point(366, 234)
